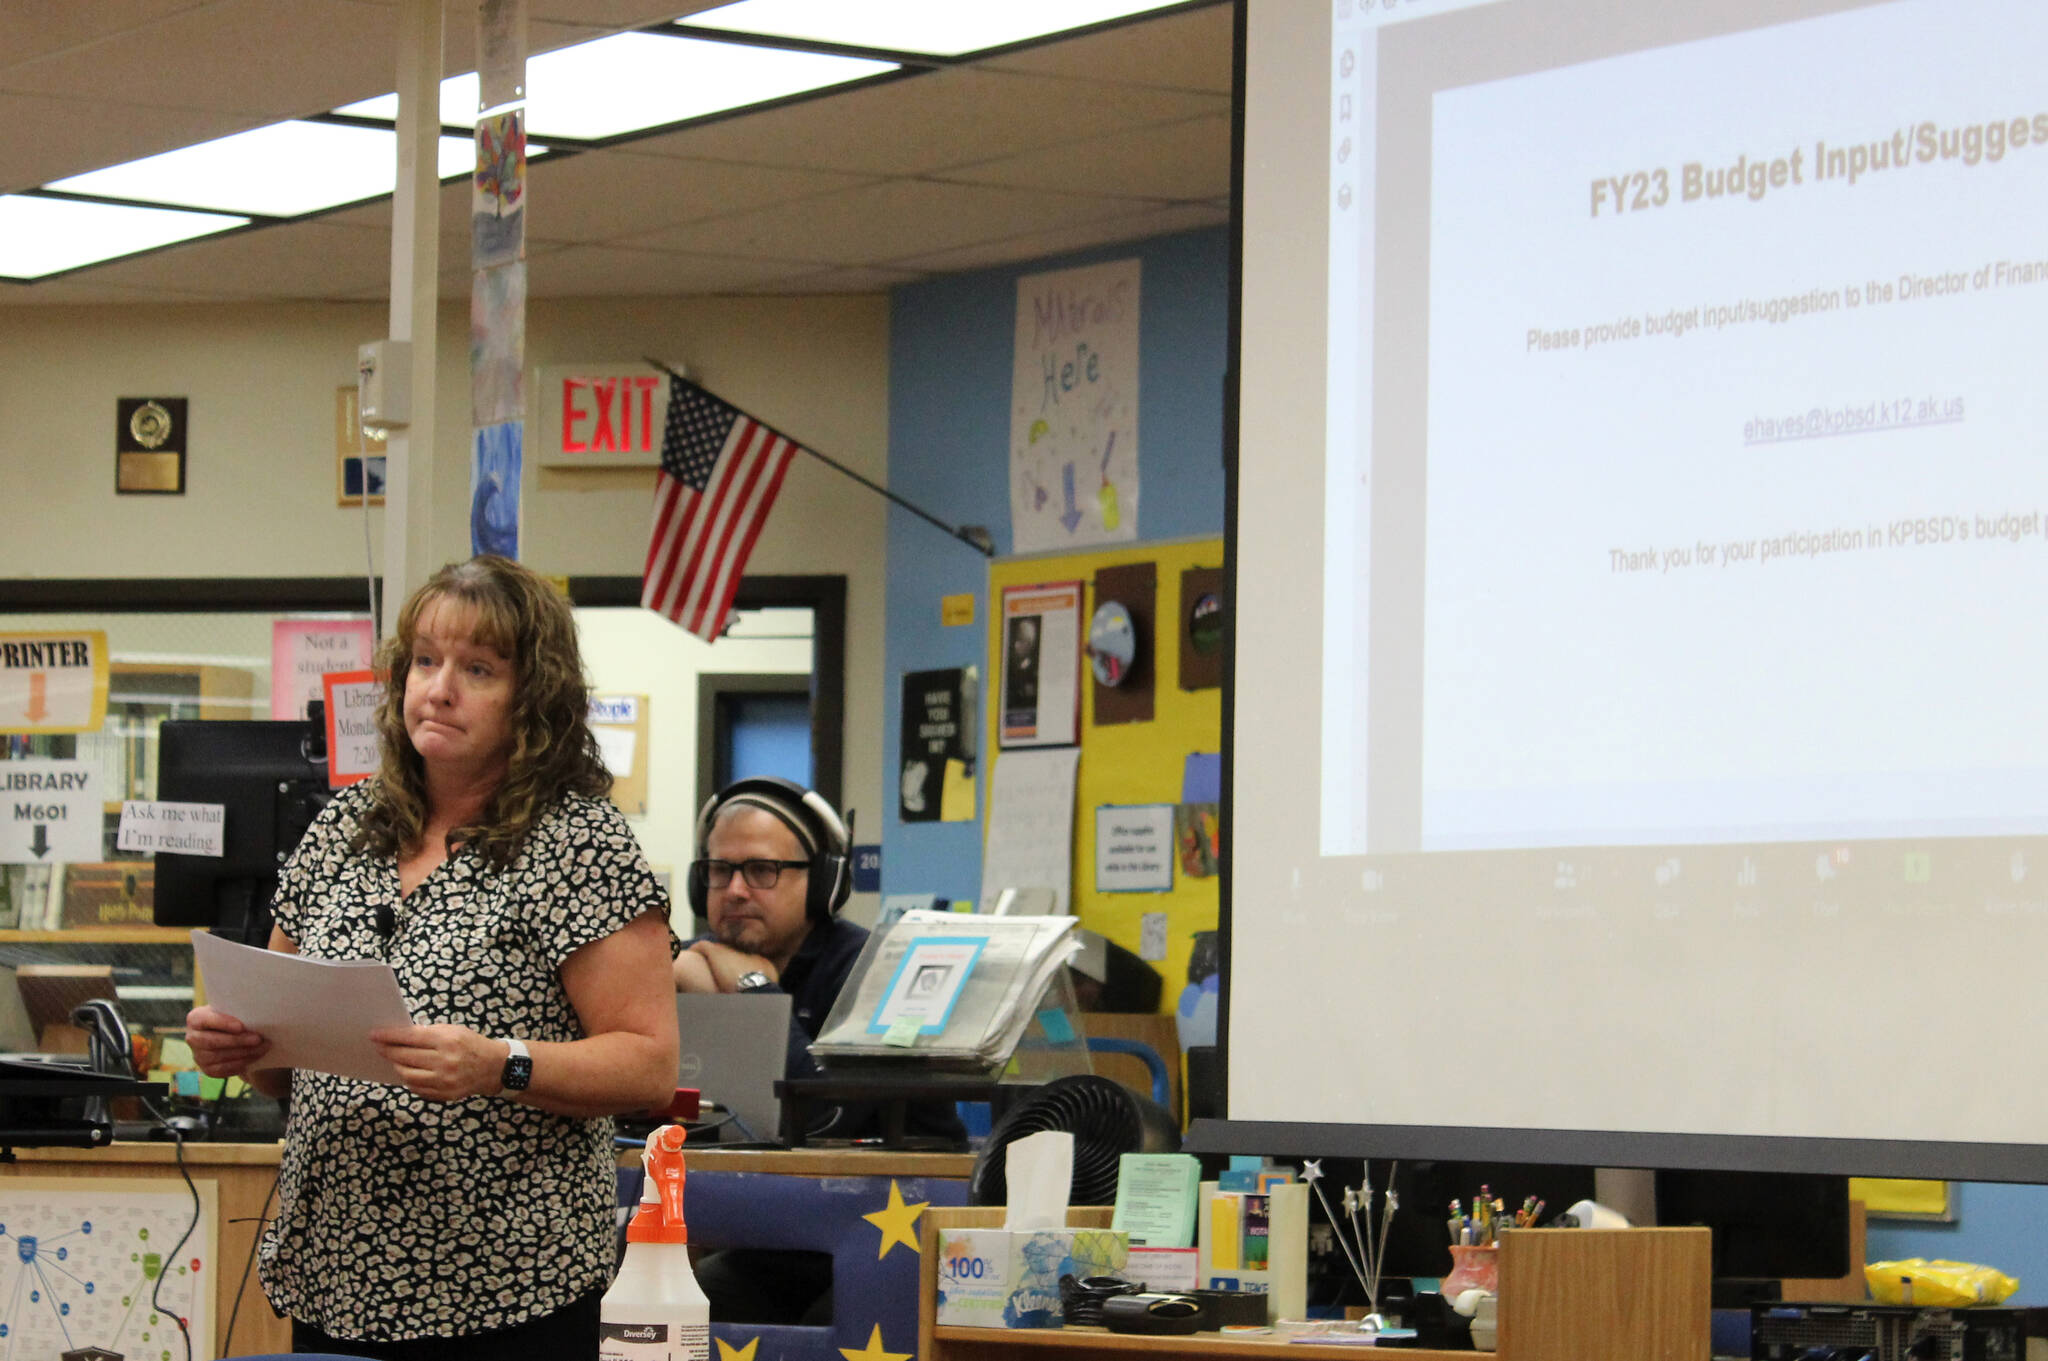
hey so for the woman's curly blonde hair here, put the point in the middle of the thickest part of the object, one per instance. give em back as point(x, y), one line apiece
point(518, 614)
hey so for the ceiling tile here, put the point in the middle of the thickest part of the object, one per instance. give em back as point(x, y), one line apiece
point(264, 58)
point(302, 260)
point(608, 272)
point(1187, 51)
point(607, 195)
point(1033, 245)
point(925, 122)
point(72, 136)
point(1189, 160)
point(261, 58)
point(453, 224)
point(615, 14)
point(31, 31)
point(83, 289)
point(879, 224)
point(852, 279)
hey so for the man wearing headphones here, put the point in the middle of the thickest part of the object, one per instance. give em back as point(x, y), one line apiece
point(774, 867)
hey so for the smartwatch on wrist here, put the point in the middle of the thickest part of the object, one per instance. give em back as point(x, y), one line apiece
point(754, 981)
point(518, 1074)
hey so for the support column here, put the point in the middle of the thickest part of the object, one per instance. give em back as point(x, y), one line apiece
point(415, 295)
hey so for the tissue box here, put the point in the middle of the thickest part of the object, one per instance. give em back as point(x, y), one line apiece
point(999, 1278)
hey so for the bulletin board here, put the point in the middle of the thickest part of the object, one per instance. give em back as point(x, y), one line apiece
point(1131, 762)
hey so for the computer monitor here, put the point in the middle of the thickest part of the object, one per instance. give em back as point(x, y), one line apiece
point(1767, 1225)
point(271, 780)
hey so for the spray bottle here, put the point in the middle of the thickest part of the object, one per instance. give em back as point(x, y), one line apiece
point(655, 1311)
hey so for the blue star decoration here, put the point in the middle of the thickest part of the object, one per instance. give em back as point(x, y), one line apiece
point(898, 1222)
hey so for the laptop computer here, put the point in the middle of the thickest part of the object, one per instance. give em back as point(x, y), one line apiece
point(733, 1047)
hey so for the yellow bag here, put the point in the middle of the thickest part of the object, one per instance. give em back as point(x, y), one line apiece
point(1951, 1285)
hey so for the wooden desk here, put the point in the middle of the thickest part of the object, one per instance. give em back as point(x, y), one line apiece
point(243, 1175)
point(1640, 1294)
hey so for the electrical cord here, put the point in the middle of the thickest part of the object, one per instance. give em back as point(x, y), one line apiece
point(171, 1257)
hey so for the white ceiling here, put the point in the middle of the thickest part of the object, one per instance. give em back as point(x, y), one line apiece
point(1108, 137)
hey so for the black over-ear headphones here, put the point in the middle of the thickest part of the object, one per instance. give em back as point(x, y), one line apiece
point(809, 817)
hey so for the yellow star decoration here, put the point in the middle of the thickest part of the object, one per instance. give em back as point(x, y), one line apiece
point(898, 1223)
point(728, 1352)
point(873, 1351)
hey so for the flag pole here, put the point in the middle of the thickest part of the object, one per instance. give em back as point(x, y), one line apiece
point(973, 536)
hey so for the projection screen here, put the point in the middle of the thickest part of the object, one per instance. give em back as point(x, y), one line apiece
point(1636, 739)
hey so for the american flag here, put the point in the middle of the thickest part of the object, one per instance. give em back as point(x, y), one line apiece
point(720, 470)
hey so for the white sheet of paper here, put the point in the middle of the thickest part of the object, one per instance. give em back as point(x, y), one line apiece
point(1031, 825)
point(616, 747)
point(317, 1013)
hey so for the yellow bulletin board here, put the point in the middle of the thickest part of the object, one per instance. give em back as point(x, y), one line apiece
point(1894, 1199)
point(1129, 763)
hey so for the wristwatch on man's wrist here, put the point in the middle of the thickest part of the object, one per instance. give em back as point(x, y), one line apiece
point(753, 981)
point(518, 1074)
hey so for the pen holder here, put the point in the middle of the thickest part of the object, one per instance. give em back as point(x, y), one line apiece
point(1473, 1267)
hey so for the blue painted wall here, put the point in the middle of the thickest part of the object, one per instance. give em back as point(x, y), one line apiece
point(950, 353)
point(1996, 1225)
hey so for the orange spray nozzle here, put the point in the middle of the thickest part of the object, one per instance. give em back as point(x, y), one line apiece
point(660, 1216)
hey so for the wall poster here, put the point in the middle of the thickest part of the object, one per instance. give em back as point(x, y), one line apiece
point(1074, 409)
point(1041, 681)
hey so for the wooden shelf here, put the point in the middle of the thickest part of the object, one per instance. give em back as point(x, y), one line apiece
point(101, 935)
point(1567, 1295)
point(1085, 1342)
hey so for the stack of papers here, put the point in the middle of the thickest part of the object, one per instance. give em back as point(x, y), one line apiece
point(953, 990)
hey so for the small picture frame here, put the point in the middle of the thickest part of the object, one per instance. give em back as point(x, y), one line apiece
point(358, 454)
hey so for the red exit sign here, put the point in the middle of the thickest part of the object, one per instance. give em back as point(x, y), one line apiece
point(595, 416)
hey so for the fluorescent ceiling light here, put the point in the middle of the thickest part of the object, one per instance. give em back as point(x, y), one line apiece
point(940, 28)
point(629, 81)
point(282, 170)
point(40, 236)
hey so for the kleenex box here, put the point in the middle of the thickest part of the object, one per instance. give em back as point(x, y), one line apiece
point(997, 1278)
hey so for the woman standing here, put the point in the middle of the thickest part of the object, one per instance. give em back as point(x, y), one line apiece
point(468, 1212)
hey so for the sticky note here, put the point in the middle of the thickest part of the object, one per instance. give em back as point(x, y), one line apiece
point(956, 795)
point(903, 1031)
point(1107, 499)
point(210, 1088)
point(956, 609)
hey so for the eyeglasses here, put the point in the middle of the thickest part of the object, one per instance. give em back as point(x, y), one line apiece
point(761, 874)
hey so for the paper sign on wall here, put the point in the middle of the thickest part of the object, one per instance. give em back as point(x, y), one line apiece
point(1031, 825)
point(304, 650)
point(1074, 408)
point(53, 682)
point(186, 828)
point(352, 745)
point(1134, 848)
point(51, 812)
point(1041, 664)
